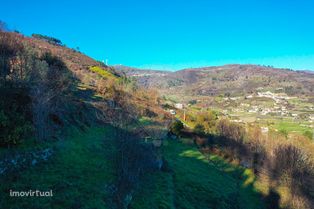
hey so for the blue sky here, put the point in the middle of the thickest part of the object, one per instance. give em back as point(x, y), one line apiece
point(172, 35)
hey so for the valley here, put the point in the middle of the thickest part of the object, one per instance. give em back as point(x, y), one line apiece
point(245, 94)
point(156, 104)
point(99, 136)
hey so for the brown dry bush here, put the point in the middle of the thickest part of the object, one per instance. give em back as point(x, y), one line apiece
point(230, 130)
point(293, 167)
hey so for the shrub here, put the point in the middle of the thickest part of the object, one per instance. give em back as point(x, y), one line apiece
point(230, 130)
point(176, 127)
point(207, 120)
point(192, 102)
point(13, 128)
point(50, 81)
point(293, 164)
point(199, 129)
point(14, 117)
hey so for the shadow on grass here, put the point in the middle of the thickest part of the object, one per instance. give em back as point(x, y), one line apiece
point(207, 181)
point(77, 173)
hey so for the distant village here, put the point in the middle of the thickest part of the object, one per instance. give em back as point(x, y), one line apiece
point(280, 107)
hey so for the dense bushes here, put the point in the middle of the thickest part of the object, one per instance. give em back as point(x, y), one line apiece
point(206, 121)
point(230, 130)
point(199, 129)
point(50, 80)
point(15, 102)
point(176, 127)
point(284, 164)
point(293, 166)
point(15, 116)
point(31, 89)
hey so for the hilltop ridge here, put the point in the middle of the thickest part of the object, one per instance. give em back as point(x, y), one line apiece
point(234, 79)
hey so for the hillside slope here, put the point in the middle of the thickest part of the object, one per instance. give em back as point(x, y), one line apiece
point(88, 133)
point(61, 113)
point(229, 79)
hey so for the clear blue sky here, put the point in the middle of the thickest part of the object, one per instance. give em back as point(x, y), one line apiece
point(165, 34)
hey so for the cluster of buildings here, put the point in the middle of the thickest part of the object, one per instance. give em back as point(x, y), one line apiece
point(278, 98)
point(177, 106)
point(278, 110)
point(280, 106)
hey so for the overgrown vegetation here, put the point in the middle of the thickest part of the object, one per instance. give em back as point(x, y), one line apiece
point(49, 39)
point(15, 116)
point(33, 86)
point(48, 104)
point(176, 127)
point(284, 164)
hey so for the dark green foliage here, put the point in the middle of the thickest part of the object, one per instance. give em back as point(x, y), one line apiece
point(227, 94)
point(53, 61)
point(199, 129)
point(166, 106)
point(57, 73)
point(272, 200)
point(192, 102)
point(176, 127)
point(44, 80)
point(207, 120)
point(49, 39)
point(15, 116)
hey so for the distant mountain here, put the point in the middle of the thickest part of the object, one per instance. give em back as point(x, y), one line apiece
point(228, 79)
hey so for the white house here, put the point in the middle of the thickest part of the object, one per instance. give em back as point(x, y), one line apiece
point(178, 106)
point(264, 129)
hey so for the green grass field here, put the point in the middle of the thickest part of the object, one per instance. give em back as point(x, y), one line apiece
point(78, 174)
point(196, 181)
point(291, 126)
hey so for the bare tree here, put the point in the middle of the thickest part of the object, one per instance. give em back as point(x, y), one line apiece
point(40, 99)
point(49, 82)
